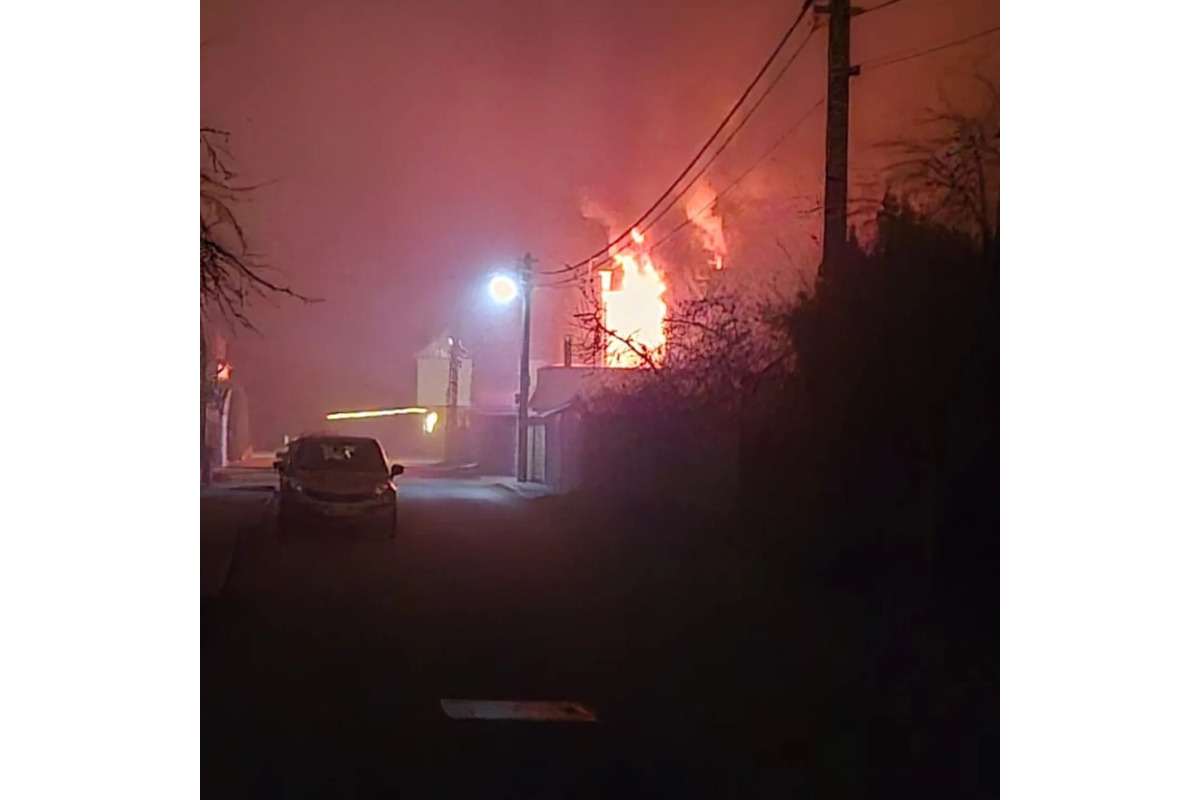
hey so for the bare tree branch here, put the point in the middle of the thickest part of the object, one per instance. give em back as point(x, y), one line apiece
point(717, 347)
point(953, 170)
point(230, 276)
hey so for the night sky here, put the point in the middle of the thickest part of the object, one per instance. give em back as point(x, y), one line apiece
point(409, 147)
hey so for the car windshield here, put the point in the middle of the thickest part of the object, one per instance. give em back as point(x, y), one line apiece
point(354, 455)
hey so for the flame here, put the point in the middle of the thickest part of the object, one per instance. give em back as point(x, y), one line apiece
point(700, 212)
point(634, 311)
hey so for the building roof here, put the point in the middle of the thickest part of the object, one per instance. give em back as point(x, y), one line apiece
point(557, 387)
point(438, 347)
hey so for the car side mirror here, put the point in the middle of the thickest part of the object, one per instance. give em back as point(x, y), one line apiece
point(397, 470)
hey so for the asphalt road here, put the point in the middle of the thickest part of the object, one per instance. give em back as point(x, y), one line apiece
point(326, 655)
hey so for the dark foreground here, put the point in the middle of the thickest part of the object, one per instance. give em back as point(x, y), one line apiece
point(326, 655)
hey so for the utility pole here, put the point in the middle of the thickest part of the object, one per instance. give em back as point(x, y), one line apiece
point(597, 343)
point(837, 133)
point(526, 280)
point(450, 450)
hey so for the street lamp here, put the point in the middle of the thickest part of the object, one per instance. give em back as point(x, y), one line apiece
point(503, 288)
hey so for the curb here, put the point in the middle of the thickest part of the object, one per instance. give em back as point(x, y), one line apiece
point(436, 471)
point(236, 474)
point(525, 494)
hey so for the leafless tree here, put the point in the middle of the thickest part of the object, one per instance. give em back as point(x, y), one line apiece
point(230, 274)
point(717, 346)
point(596, 340)
point(953, 167)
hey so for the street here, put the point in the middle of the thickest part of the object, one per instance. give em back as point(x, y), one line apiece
point(325, 655)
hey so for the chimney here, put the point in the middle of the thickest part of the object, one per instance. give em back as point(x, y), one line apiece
point(566, 351)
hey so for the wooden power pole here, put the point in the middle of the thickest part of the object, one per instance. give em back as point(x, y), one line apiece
point(837, 133)
point(450, 427)
point(526, 281)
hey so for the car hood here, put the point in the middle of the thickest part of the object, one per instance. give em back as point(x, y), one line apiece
point(340, 482)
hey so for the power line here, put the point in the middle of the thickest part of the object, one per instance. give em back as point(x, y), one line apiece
point(878, 7)
point(745, 173)
point(757, 162)
point(741, 100)
point(703, 169)
point(721, 149)
point(796, 125)
point(887, 61)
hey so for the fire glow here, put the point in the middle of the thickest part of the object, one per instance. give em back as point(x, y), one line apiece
point(633, 308)
point(701, 213)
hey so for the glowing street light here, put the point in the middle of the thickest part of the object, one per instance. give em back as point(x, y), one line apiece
point(503, 289)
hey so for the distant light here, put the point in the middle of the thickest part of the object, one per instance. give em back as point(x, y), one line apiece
point(386, 412)
point(431, 420)
point(503, 289)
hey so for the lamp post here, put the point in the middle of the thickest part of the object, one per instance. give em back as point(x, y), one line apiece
point(450, 429)
point(503, 289)
point(523, 397)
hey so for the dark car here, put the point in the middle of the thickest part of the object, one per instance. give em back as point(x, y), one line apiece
point(337, 478)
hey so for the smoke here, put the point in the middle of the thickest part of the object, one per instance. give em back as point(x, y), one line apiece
point(701, 212)
point(593, 211)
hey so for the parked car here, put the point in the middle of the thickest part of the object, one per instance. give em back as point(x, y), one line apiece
point(337, 478)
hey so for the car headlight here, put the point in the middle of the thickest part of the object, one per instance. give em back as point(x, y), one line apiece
point(294, 485)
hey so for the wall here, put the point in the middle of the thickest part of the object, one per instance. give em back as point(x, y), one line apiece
point(493, 439)
point(240, 440)
point(683, 462)
point(561, 464)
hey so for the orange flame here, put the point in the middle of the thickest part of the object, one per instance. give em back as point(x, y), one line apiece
point(635, 311)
